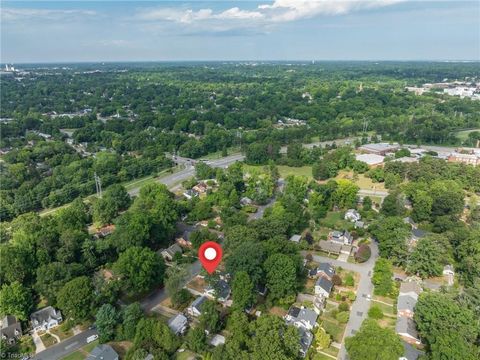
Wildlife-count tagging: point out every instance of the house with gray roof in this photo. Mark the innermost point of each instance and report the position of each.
(410, 288)
(195, 308)
(178, 324)
(296, 238)
(330, 247)
(220, 291)
(325, 270)
(103, 352)
(301, 317)
(10, 329)
(341, 237)
(306, 339)
(406, 305)
(45, 318)
(405, 327)
(170, 252)
(323, 286)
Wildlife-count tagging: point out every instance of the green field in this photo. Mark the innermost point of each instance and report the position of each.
(283, 170)
(463, 135)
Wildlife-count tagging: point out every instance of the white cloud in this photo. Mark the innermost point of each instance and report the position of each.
(18, 14)
(278, 11)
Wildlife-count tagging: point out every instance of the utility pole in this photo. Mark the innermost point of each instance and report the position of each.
(98, 185)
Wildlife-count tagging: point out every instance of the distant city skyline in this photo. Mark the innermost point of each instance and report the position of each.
(110, 31)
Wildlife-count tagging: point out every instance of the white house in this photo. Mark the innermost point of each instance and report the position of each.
(195, 308)
(178, 324)
(448, 270)
(45, 318)
(301, 318)
(323, 286)
(352, 215)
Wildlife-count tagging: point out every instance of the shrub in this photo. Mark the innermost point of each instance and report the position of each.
(343, 307)
(309, 257)
(363, 253)
(336, 280)
(342, 317)
(349, 281)
(338, 297)
(375, 312)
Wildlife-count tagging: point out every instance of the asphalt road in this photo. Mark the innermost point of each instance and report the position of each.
(189, 171)
(65, 347)
(361, 305)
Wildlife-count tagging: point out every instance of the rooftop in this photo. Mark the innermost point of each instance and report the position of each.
(370, 159)
(325, 284)
(104, 352)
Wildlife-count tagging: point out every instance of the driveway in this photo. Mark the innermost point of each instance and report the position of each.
(361, 304)
(39, 347)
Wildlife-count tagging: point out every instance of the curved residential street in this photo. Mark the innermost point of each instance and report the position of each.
(361, 304)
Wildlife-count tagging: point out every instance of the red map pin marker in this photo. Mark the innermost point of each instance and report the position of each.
(210, 255)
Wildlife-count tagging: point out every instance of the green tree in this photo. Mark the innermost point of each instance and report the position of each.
(242, 290)
(375, 312)
(210, 317)
(382, 277)
(367, 203)
(196, 340)
(391, 234)
(345, 195)
(15, 300)
(139, 269)
(76, 297)
(392, 205)
(106, 320)
(422, 206)
(175, 279)
(373, 342)
(449, 329)
(248, 257)
(428, 257)
(131, 315)
(281, 276)
(272, 339)
(322, 339)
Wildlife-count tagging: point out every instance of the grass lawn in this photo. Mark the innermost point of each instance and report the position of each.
(463, 135)
(217, 155)
(81, 353)
(334, 328)
(185, 355)
(283, 170)
(387, 310)
(48, 340)
(361, 180)
(61, 332)
(335, 220)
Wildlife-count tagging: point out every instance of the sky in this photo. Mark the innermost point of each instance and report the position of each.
(79, 31)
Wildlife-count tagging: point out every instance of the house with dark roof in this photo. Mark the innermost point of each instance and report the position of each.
(325, 270)
(178, 324)
(219, 291)
(323, 287)
(103, 352)
(306, 339)
(405, 327)
(301, 317)
(45, 318)
(195, 308)
(10, 329)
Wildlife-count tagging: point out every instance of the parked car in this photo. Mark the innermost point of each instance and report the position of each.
(92, 338)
